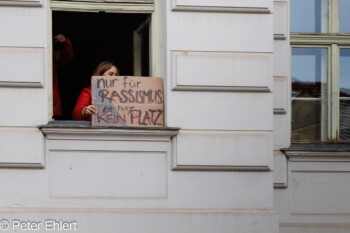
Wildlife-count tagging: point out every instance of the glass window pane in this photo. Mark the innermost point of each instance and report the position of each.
(344, 73)
(309, 16)
(309, 72)
(344, 16)
(344, 119)
(307, 121)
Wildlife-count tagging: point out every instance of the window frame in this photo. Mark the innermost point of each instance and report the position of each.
(155, 40)
(334, 40)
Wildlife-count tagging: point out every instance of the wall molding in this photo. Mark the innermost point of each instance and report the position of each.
(115, 7)
(21, 147)
(199, 165)
(280, 170)
(21, 84)
(220, 88)
(28, 3)
(22, 165)
(318, 156)
(280, 91)
(226, 83)
(32, 75)
(279, 37)
(280, 20)
(225, 9)
(219, 168)
(76, 132)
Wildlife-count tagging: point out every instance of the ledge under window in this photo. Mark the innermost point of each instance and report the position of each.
(84, 130)
(329, 152)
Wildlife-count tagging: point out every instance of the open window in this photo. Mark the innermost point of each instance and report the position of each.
(98, 35)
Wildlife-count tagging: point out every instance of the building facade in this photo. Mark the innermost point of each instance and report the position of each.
(224, 162)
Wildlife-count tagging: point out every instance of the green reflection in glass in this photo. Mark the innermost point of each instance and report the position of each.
(306, 120)
(344, 119)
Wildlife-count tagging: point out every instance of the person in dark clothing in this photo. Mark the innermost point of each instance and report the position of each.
(62, 55)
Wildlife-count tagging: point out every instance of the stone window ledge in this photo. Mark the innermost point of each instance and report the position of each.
(328, 152)
(84, 130)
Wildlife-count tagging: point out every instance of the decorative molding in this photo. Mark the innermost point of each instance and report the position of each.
(105, 7)
(280, 92)
(280, 185)
(112, 149)
(185, 166)
(260, 10)
(28, 3)
(21, 84)
(280, 20)
(32, 75)
(280, 170)
(318, 156)
(218, 8)
(279, 37)
(220, 88)
(22, 165)
(219, 168)
(30, 153)
(279, 111)
(316, 225)
(223, 85)
(136, 210)
(149, 159)
(74, 132)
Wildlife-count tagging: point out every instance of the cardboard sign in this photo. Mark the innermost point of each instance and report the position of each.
(127, 101)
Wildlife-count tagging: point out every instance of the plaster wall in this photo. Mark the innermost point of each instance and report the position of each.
(215, 174)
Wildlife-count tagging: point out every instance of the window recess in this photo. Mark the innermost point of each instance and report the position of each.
(126, 32)
(320, 45)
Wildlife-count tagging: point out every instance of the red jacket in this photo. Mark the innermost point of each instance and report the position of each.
(83, 101)
(67, 55)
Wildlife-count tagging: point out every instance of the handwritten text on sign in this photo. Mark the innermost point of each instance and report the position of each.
(127, 101)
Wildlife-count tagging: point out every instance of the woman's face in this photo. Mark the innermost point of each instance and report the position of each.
(111, 72)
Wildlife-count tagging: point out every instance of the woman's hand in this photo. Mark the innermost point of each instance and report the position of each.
(60, 38)
(88, 110)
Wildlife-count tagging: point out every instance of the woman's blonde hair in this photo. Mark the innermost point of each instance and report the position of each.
(103, 67)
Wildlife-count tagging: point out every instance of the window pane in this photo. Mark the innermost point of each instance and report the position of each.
(309, 72)
(344, 119)
(307, 120)
(344, 73)
(344, 16)
(344, 91)
(309, 16)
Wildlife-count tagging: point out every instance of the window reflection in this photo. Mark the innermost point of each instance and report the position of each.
(344, 16)
(344, 119)
(309, 94)
(344, 73)
(309, 72)
(309, 16)
(344, 93)
(306, 120)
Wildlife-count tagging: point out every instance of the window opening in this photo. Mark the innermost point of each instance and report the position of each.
(97, 37)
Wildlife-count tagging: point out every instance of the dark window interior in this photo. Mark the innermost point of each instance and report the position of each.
(96, 37)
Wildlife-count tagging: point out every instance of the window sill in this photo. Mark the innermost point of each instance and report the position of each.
(330, 152)
(84, 130)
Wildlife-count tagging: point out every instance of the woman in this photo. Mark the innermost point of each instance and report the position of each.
(83, 108)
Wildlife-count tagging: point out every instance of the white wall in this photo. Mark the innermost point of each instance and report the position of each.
(23, 82)
(215, 174)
